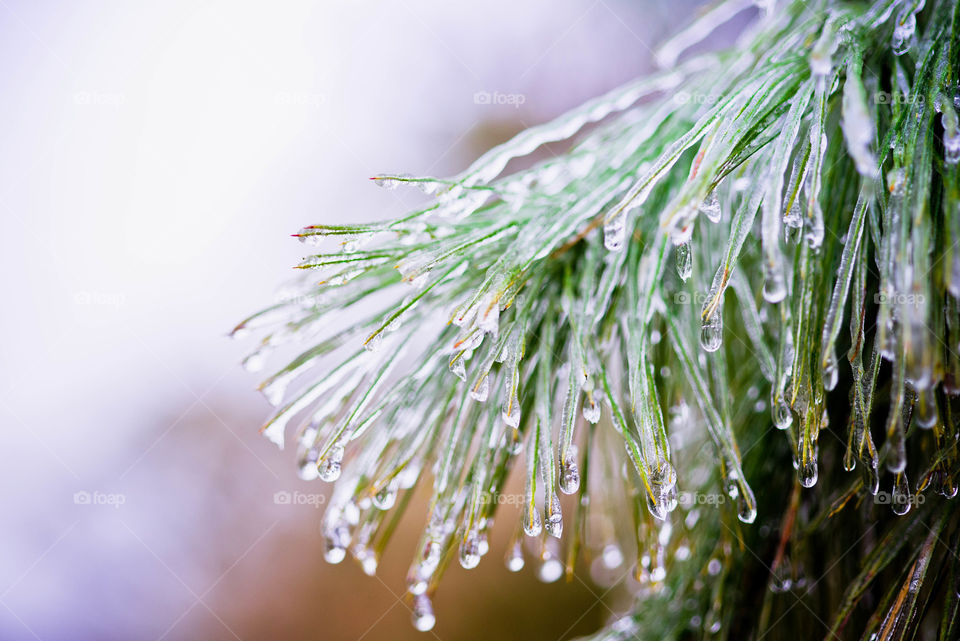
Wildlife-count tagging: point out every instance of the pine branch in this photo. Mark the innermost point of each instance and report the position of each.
(559, 317)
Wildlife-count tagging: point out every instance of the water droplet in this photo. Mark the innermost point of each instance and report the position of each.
(614, 231)
(329, 466)
(782, 416)
(336, 539)
(423, 618)
(373, 342)
(385, 498)
(569, 477)
(774, 285)
(551, 569)
(901, 499)
(925, 410)
(470, 551)
(591, 410)
(831, 372)
(684, 257)
(515, 558)
(510, 413)
(612, 556)
(903, 31)
(553, 521)
(481, 390)
(256, 361)
(711, 208)
(711, 331)
(808, 473)
(458, 368)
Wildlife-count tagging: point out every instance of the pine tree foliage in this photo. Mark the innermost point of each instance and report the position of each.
(717, 338)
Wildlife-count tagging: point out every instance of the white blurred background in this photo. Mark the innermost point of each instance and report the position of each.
(154, 160)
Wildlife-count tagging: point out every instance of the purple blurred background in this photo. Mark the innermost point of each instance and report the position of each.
(155, 158)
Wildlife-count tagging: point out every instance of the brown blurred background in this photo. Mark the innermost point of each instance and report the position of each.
(156, 158)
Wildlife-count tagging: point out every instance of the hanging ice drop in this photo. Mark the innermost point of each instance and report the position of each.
(684, 260)
(569, 477)
(423, 618)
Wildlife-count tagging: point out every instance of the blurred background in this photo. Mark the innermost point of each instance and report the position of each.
(155, 159)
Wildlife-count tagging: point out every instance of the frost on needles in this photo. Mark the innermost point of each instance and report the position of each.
(717, 340)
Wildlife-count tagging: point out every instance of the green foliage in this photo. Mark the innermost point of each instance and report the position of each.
(575, 316)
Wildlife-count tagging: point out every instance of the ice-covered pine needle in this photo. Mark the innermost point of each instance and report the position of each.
(624, 325)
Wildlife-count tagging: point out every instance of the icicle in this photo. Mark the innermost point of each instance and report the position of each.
(423, 617)
(551, 567)
(480, 392)
(901, 498)
(615, 228)
(329, 465)
(925, 410)
(711, 208)
(514, 560)
(951, 134)
(903, 31)
(684, 257)
(857, 124)
(711, 329)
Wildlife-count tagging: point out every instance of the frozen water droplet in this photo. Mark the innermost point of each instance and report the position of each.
(903, 31)
(515, 558)
(612, 556)
(782, 417)
(591, 410)
(831, 373)
(374, 342)
(951, 134)
(551, 569)
(458, 368)
(901, 499)
(569, 477)
(774, 286)
(711, 208)
(925, 410)
(480, 392)
(336, 540)
(554, 517)
(711, 331)
(256, 361)
(614, 231)
(470, 551)
(385, 498)
(684, 261)
(329, 465)
(808, 473)
(511, 413)
(423, 618)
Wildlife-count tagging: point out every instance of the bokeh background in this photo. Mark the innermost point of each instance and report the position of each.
(154, 160)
